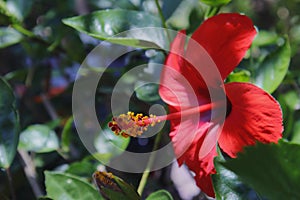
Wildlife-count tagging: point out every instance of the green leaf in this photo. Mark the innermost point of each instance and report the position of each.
(38, 138)
(11, 17)
(296, 133)
(148, 92)
(239, 76)
(113, 25)
(272, 170)
(274, 68)
(180, 17)
(227, 184)
(110, 145)
(69, 187)
(160, 195)
(169, 7)
(9, 125)
(66, 135)
(265, 38)
(17, 75)
(83, 168)
(215, 3)
(20, 8)
(9, 36)
(291, 99)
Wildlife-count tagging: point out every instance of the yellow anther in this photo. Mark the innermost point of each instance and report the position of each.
(131, 125)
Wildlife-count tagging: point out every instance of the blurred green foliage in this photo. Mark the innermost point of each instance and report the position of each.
(43, 43)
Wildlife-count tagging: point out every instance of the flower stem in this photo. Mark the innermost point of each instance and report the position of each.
(30, 172)
(10, 183)
(30, 34)
(146, 173)
(163, 20)
(24, 31)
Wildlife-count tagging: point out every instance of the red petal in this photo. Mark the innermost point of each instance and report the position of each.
(204, 182)
(226, 37)
(175, 88)
(255, 116)
(183, 134)
(203, 167)
(179, 82)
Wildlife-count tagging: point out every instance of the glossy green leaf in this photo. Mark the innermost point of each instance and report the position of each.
(239, 76)
(227, 184)
(69, 187)
(20, 8)
(160, 195)
(272, 170)
(9, 125)
(108, 145)
(274, 67)
(215, 3)
(148, 92)
(38, 138)
(9, 36)
(113, 26)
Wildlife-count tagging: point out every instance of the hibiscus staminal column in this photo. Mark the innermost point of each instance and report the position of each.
(135, 125)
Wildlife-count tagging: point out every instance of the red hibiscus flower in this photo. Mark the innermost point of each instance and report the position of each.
(204, 111)
(250, 114)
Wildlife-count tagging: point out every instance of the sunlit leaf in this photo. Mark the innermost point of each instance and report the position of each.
(20, 8)
(239, 76)
(38, 138)
(9, 125)
(112, 25)
(69, 187)
(9, 36)
(273, 69)
(160, 195)
(272, 170)
(8, 12)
